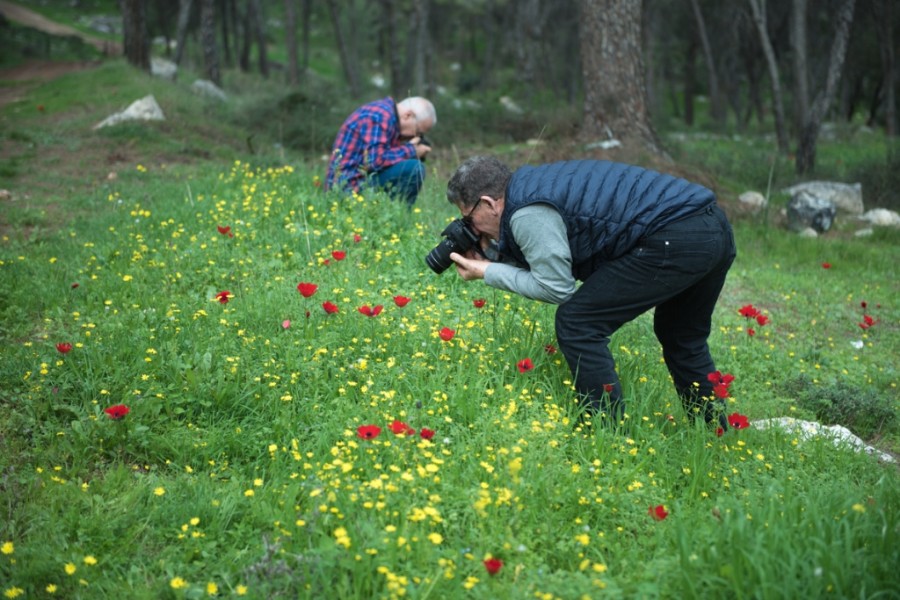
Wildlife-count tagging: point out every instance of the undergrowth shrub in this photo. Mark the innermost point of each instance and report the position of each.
(863, 411)
(880, 181)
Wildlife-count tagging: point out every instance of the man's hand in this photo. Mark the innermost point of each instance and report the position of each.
(469, 268)
(422, 147)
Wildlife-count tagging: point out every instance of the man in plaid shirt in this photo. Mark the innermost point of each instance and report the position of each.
(380, 145)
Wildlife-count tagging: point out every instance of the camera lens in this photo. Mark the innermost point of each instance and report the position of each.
(438, 260)
(458, 237)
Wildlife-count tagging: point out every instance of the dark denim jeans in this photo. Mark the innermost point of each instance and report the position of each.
(680, 271)
(402, 180)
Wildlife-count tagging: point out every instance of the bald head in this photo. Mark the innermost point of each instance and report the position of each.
(421, 108)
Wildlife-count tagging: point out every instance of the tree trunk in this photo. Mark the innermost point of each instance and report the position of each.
(806, 150)
(615, 95)
(208, 37)
(801, 67)
(884, 28)
(307, 16)
(421, 54)
(246, 38)
(526, 28)
(184, 19)
(750, 62)
(135, 42)
(759, 17)
(290, 41)
(163, 24)
(489, 25)
(690, 82)
(231, 15)
(715, 98)
(391, 53)
(259, 32)
(346, 61)
(227, 34)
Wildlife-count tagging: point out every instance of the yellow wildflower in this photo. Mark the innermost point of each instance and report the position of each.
(178, 583)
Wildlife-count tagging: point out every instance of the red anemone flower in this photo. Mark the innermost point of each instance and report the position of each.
(748, 311)
(426, 434)
(826, 265)
(117, 411)
(401, 301)
(720, 432)
(64, 347)
(330, 307)
(446, 334)
(224, 296)
(339, 255)
(720, 390)
(716, 377)
(867, 322)
(525, 365)
(401, 428)
(658, 512)
(762, 320)
(550, 349)
(608, 387)
(493, 565)
(75, 285)
(368, 432)
(738, 421)
(357, 238)
(307, 289)
(751, 332)
(370, 311)
(864, 304)
(225, 230)
(478, 302)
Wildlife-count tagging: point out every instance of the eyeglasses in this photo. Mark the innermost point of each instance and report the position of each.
(467, 219)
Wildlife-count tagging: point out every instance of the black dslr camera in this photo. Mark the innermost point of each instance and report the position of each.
(425, 142)
(459, 238)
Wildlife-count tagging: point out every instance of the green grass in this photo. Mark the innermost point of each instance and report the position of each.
(239, 469)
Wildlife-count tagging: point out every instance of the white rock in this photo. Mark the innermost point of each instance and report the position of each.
(809, 232)
(882, 216)
(207, 88)
(805, 430)
(847, 197)
(145, 109)
(161, 67)
(753, 200)
(510, 105)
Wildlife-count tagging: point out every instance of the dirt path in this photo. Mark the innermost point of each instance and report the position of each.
(23, 16)
(25, 75)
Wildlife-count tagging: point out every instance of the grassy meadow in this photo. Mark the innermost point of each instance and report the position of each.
(218, 380)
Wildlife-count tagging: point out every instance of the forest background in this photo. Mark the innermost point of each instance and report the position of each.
(592, 72)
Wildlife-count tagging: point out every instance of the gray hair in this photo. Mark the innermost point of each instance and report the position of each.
(476, 177)
(421, 107)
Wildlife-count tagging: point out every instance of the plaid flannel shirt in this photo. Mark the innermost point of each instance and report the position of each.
(368, 141)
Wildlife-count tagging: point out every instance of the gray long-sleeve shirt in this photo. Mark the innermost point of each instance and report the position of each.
(540, 232)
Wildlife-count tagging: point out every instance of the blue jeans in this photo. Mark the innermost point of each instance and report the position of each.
(402, 180)
(680, 271)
